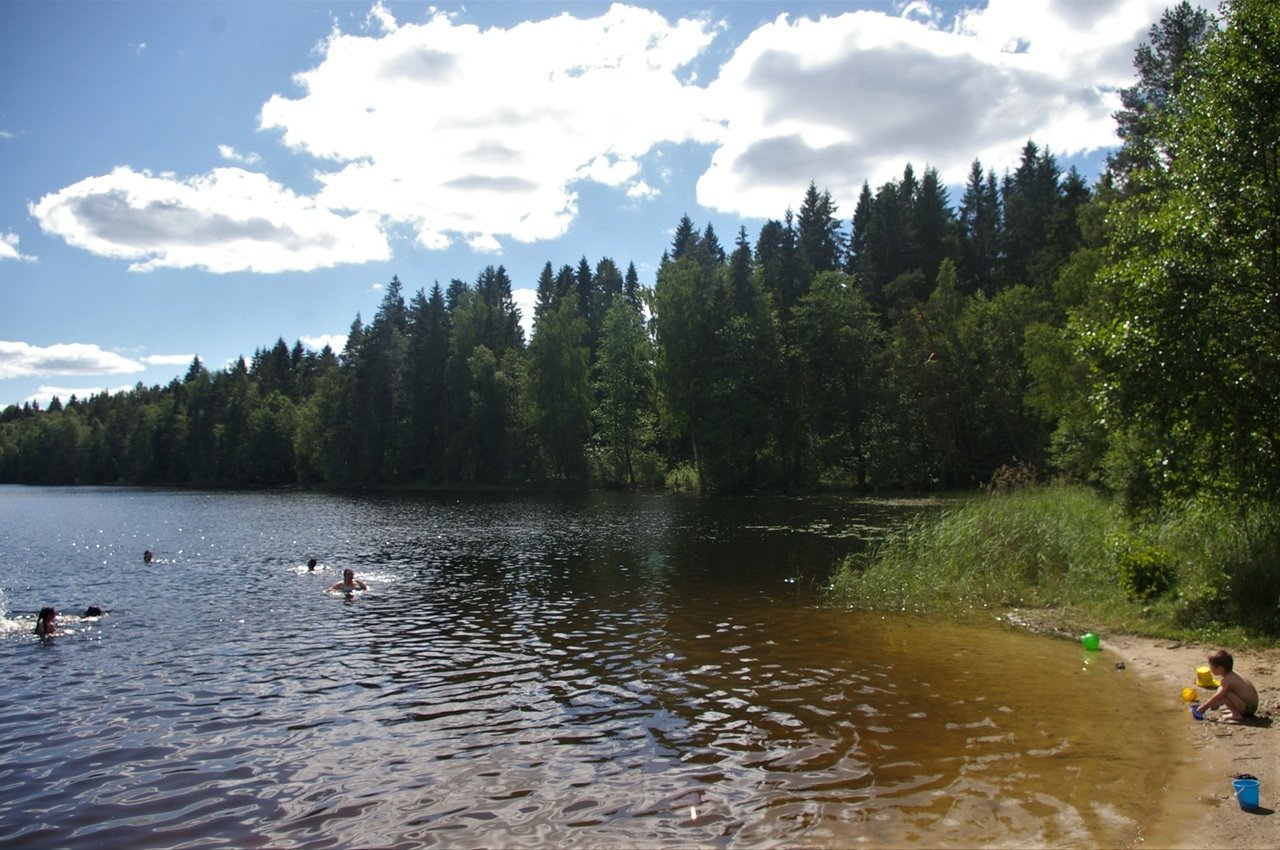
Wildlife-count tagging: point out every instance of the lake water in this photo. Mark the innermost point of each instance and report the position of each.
(586, 670)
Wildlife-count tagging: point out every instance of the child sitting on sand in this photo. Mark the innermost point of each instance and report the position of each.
(1235, 691)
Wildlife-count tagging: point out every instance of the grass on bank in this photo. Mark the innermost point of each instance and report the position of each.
(1208, 571)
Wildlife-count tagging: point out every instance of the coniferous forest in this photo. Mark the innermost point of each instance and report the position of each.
(1124, 333)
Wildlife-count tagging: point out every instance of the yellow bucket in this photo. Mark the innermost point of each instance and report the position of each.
(1204, 677)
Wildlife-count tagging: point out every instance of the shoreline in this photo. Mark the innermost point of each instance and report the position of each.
(1198, 808)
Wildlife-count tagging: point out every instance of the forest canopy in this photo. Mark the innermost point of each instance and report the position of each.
(1124, 333)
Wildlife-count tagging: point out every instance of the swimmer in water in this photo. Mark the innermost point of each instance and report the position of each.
(92, 611)
(349, 582)
(46, 622)
(311, 565)
(148, 557)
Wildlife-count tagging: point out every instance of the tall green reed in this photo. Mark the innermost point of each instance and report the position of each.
(1207, 570)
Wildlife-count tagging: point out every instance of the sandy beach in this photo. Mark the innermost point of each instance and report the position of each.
(1200, 810)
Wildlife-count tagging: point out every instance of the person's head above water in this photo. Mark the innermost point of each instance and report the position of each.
(147, 557)
(349, 582)
(45, 621)
(311, 563)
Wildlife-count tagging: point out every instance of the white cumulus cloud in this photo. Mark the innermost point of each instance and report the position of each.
(23, 360)
(9, 248)
(481, 134)
(458, 134)
(337, 342)
(525, 300)
(227, 220)
(230, 154)
(855, 97)
(168, 359)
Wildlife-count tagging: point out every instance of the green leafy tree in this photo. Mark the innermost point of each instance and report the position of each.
(202, 418)
(1189, 357)
(932, 225)
(546, 293)
(585, 295)
(684, 329)
(466, 333)
(1162, 64)
(631, 285)
(778, 260)
(1005, 429)
(428, 352)
(495, 451)
(979, 233)
(818, 234)
(685, 241)
(858, 235)
(238, 398)
(319, 452)
(52, 449)
(502, 329)
(608, 287)
(270, 441)
(710, 251)
(839, 340)
(560, 374)
(925, 441)
(780, 273)
(886, 244)
(377, 389)
(1030, 200)
(483, 384)
(273, 370)
(755, 411)
(1059, 370)
(624, 419)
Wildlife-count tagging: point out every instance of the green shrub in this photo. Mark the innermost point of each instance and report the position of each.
(683, 478)
(1145, 571)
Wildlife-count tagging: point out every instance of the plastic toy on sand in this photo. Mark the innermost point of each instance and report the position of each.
(1090, 641)
(1189, 694)
(1246, 792)
(1197, 713)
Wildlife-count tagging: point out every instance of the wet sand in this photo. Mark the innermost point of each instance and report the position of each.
(1199, 808)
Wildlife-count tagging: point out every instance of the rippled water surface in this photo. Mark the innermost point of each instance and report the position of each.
(598, 670)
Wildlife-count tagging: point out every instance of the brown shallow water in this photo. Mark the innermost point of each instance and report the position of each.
(604, 670)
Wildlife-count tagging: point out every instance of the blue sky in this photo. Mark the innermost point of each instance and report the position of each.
(202, 178)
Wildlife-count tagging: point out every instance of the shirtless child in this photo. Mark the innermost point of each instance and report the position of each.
(349, 582)
(1235, 691)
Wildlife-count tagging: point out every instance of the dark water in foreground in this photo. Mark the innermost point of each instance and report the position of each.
(525, 670)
